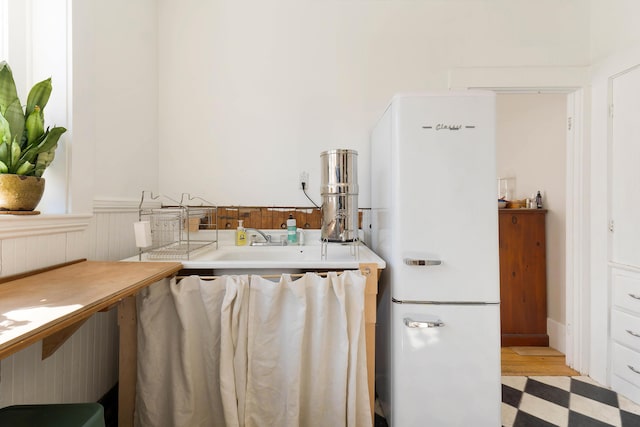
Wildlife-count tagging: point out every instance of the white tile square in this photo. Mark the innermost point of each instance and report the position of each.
(508, 415)
(594, 409)
(545, 410)
(628, 405)
(515, 382)
(378, 408)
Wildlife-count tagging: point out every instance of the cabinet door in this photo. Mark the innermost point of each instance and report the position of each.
(625, 173)
(523, 283)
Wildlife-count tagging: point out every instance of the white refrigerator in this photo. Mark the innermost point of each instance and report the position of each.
(435, 222)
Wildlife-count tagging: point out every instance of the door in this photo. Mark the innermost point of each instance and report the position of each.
(625, 172)
(444, 199)
(446, 365)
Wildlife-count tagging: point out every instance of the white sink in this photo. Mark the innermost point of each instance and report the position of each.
(230, 259)
(338, 256)
(265, 253)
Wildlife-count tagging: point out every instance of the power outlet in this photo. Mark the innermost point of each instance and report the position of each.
(304, 180)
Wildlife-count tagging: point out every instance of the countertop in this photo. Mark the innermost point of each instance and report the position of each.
(228, 257)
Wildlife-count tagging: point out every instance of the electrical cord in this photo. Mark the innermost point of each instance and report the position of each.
(304, 190)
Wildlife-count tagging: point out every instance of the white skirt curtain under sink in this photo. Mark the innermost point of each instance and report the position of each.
(246, 351)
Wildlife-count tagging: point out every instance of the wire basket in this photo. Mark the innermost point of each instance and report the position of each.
(178, 229)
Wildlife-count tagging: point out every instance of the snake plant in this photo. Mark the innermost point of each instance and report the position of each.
(26, 147)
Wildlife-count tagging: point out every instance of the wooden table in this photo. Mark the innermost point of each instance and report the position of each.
(56, 302)
(61, 299)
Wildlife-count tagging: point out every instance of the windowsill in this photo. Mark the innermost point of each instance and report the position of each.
(12, 226)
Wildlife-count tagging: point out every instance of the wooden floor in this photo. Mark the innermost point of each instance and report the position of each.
(515, 364)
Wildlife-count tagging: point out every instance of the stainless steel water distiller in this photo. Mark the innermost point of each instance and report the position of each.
(339, 192)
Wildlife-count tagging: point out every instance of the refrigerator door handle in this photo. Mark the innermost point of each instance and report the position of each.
(412, 261)
(410, 323)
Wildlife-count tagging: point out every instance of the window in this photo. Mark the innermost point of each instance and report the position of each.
(35, 41)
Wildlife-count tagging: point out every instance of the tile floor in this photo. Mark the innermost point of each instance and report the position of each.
(556, 401)
(379, 419)
(565, 402)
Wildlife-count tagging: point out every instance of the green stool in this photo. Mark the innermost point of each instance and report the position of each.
(57, 415)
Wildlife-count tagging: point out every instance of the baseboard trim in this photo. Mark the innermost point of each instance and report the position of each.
(517, 340)
(557, 335)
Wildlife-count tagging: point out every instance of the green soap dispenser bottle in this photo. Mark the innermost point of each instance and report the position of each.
(241, 235)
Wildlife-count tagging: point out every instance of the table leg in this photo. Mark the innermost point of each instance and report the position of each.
(127, 321)
(371, 291)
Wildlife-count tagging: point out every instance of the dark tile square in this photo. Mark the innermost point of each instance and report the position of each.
(629, 420)
(511, 396)
(579, 420)
(380, 421)
(526, 420)
(547, 392)
(593, 392)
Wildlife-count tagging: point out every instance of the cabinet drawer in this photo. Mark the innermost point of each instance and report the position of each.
(626, 290)
(625, 329)
(626, 364)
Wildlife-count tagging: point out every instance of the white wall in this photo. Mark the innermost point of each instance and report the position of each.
(614, 28)
(251, 92)
(531, 147)
(126, 101)
(83, 106)
(115, 89)
(113, 125)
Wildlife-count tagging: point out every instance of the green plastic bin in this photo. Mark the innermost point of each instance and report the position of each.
(56, 415)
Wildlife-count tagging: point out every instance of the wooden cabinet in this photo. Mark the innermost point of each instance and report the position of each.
(523, 277)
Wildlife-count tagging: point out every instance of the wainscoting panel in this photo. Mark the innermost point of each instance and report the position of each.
(111, 235)
(82, 370)
(86, 366)
(32, 252)
(77, 245)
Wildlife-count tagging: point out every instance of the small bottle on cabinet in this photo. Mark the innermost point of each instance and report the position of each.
(539, 200)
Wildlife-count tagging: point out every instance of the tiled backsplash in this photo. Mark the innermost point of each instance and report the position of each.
(269, 218)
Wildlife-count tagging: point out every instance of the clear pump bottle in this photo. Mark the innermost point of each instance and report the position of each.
(292, 229)
(241, 235)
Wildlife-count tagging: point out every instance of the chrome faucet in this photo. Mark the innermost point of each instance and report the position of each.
(267, 239)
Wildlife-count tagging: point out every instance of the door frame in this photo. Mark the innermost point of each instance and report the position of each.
(577, 274)
(574, 82)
